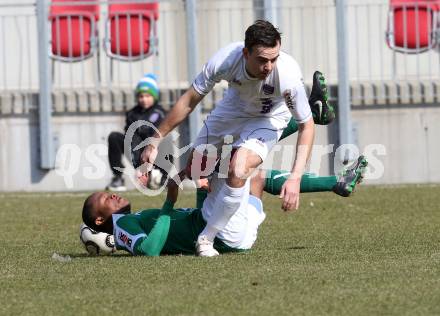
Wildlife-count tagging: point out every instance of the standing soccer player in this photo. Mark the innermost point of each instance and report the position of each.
(265, 90)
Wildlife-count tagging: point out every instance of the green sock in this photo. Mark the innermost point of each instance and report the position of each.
(200, 197)
(309, 183)
(292, 127)
(317, 184)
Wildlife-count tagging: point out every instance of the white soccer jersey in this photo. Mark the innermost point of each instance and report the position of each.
(282, 93)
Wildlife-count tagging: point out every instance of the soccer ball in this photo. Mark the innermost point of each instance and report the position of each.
(154, 179)
(96, 243)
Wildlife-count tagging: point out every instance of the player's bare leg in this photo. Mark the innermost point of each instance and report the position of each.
(258, 181)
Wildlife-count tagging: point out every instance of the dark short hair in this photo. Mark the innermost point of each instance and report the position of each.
(261, 33)
(88, 213)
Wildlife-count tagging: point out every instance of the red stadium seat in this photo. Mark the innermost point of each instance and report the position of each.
(412, 25)
(74, 32)
(131, 30)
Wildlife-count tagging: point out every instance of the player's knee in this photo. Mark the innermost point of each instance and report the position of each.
(237, 171)
(242, 163)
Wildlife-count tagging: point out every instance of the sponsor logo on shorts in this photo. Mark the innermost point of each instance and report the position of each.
(268, 89)
(260, 141)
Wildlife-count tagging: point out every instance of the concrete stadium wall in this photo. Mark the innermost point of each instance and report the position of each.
(82, 160)
(401, 144)
(19, 157)
(408, 136)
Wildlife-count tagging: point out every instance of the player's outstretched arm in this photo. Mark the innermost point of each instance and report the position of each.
(173, 187)
(202, 192)
(290, 190)
(184, 106)
(153, 244)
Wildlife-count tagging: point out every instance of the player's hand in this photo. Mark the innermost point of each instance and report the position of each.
(148, 156)
(203, 184)
(142, 178)
(290, 194)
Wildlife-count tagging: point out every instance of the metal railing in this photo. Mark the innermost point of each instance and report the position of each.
(309, 34)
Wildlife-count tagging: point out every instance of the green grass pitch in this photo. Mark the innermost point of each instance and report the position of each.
(376, 253)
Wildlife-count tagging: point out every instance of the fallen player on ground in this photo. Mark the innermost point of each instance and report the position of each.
(153, 232)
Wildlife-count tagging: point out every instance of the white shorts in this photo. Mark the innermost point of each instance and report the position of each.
(258, 134)
(241, 230)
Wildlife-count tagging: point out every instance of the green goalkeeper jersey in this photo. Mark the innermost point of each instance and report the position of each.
(153, 232)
